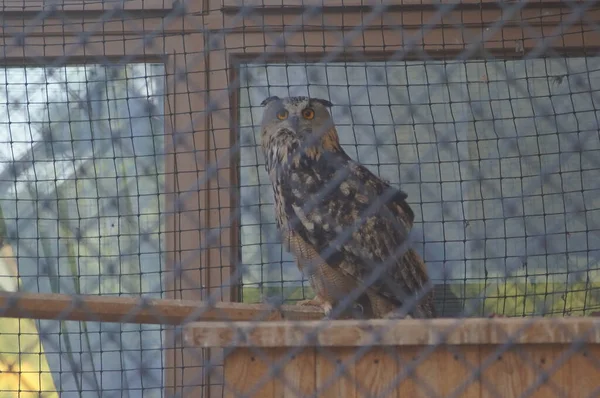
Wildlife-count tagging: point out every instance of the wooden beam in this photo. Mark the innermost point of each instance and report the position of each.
(383, 332)
(233, 6)
(140, 309)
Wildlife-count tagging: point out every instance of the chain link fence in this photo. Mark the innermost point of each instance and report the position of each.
(136, 197)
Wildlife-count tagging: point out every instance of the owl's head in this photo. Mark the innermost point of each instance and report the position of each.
(303, 120)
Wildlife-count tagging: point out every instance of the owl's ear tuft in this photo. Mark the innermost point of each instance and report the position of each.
(323, 102)
(266, 101)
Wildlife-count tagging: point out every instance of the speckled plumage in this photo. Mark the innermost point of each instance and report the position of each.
(339, 220)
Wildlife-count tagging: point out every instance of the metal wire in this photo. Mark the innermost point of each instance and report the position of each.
(131, 165)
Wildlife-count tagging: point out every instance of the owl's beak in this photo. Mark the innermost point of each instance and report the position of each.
(295, 123)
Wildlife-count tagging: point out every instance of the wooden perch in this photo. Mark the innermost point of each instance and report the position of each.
(407, 332)
(140, 310)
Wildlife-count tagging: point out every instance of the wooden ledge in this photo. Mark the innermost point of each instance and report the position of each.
(410, 332)
(140, 310)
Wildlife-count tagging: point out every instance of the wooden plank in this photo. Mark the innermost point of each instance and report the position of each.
(299, 374)
(354, 333)
(235, 5)
(392, 20)
(539, 371)
(417, 372)
(409, 384)
(30, 6)
(336, 373)
(515, 371)
(247, 374)
(139, 309)
(444, 372)
(582, 376)
(377, 371)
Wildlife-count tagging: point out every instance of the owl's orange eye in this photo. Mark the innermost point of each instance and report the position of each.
(282, 114)
(308, 114)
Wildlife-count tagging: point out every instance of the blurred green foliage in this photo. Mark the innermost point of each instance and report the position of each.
(511, 298)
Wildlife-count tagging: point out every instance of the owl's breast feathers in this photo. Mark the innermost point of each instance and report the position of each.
(355, 220)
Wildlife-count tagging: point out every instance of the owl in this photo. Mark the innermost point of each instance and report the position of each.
(346, 227)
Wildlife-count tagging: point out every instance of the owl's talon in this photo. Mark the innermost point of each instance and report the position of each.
(397, 314)
(317, 302)
(310, 303)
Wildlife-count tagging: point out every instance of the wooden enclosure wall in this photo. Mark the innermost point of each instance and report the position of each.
(201, 47)
(515, 373)
(283, 31)
(474, 359)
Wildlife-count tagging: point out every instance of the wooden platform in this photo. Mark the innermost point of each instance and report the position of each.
(502, 357)
(292, 354)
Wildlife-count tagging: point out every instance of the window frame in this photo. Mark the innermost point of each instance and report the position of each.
(515, 41)
(181, 50)
(20, 6)
(444, 40)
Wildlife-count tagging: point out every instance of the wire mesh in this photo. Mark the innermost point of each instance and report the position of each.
(131, 165)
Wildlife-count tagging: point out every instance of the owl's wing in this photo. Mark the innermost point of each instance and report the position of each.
(358, 222)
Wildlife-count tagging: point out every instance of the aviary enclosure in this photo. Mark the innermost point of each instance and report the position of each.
(140, 255)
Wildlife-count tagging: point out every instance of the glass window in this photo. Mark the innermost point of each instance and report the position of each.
(497, 158)
(81, 192)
